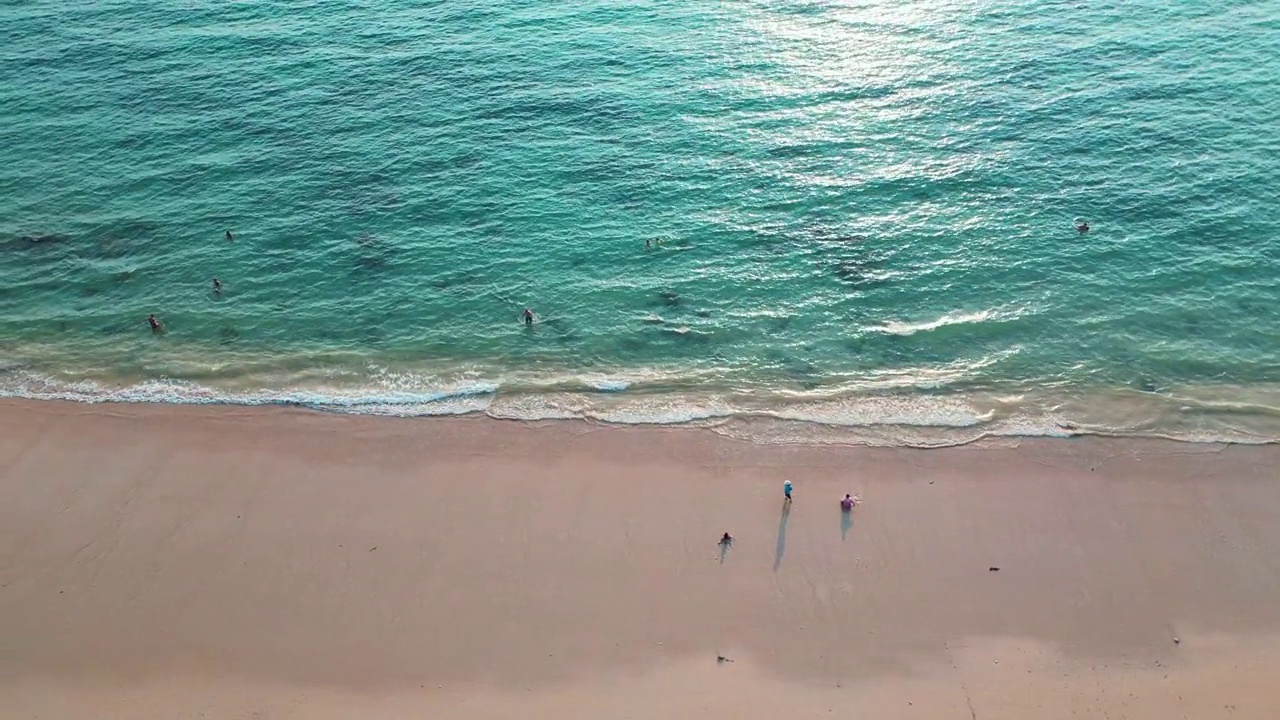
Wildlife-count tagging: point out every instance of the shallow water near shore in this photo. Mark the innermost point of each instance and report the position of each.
(860, 216)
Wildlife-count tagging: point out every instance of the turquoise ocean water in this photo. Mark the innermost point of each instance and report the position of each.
(866, 211)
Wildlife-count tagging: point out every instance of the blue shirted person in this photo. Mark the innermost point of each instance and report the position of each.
(786, 489)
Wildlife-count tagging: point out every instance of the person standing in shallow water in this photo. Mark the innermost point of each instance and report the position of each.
(154, 323)
(528, 316)
(229, 238)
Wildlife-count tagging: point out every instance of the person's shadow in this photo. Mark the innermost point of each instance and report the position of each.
(782, 535)
(846, 522)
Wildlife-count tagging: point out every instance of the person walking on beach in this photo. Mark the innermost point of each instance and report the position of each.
(846, 503)
(726, 542)
(786, 490)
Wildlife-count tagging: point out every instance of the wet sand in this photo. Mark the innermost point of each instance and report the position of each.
(166, 561)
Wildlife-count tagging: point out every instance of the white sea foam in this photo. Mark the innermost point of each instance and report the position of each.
(896, 327)
(847, 414)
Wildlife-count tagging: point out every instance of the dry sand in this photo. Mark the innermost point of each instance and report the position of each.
(163, 562)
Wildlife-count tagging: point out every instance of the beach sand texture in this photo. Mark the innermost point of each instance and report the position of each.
(161, 562)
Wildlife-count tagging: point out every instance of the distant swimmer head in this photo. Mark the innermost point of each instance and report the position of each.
(229, 238)
(217, 285)
(1082, 226)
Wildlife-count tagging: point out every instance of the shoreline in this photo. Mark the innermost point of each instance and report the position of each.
(282, 560)
(919, 418)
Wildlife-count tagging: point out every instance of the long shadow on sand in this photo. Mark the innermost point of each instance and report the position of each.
(782, 535)
(846, 522)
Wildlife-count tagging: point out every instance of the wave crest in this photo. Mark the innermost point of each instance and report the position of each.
(850, 414)
(957, 317)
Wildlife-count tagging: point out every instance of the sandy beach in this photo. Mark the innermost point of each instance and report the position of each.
(224, 562)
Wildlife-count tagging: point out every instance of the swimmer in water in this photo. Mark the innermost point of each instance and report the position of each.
(229, 238)
(1082, 227)
(528, 316)
(154, 323)
(217, 286)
